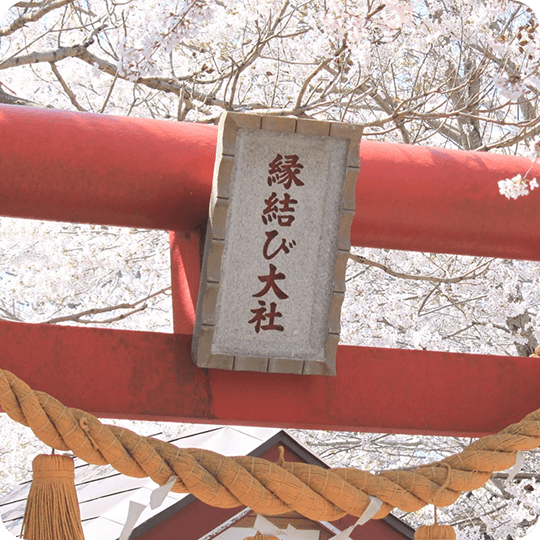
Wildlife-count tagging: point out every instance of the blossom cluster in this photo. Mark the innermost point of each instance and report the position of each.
(450, 73)
(141, 53)
(513, 188)
(519, 186)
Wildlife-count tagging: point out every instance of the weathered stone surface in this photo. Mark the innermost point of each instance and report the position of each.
(309, 265)
(273, 271)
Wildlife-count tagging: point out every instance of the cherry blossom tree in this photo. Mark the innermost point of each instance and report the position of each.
(450, 73)
(461, 73)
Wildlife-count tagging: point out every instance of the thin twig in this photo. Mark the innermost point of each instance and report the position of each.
(433, 279)
(77, 317)
(32, 16)
(66, 88)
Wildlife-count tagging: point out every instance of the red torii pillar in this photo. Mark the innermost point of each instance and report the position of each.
(155, 174)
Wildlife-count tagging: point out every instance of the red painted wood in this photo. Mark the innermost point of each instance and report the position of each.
(446, 201)
(91, 168)
(186, 250)
(146, 173)
(150, 376)
(149, 173)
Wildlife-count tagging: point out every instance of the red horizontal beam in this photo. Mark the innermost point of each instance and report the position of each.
(136, 172)
(108, 170)
(444, 201)
(145, 173)
(144, 375)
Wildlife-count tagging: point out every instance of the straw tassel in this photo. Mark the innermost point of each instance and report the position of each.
(259, 536)
(52, 510)
(435, 532)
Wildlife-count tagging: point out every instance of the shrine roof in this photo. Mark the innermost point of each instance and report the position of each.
(105, 495)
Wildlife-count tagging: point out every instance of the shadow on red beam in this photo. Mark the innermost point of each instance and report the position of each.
(144, 375)
(136, 172)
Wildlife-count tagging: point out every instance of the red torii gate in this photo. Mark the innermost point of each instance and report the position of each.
(147, 173)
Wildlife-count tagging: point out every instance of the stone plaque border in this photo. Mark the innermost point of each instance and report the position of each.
(203, 333)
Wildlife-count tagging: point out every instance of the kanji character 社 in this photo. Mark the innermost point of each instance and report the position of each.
(261, 315)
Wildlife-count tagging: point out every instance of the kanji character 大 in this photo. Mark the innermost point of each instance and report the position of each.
(270, 283)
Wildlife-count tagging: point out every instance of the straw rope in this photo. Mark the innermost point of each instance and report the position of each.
(268, 488)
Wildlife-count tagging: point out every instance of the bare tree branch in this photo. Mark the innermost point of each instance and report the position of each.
(32, 16)
(473, 274)
(46, 56)
(66, 88)
(78, 317)
(9, 99)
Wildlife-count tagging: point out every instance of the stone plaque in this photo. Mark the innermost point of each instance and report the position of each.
(278, 239)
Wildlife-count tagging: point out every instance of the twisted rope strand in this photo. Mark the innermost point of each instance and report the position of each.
(268, 488)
